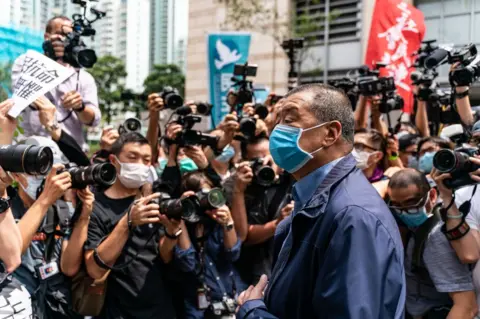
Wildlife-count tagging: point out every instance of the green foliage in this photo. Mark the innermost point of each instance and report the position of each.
(5, 80)
(109, 74)
(164, 75)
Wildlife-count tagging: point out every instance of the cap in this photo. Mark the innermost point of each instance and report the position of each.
(407, 140)
(58, 156)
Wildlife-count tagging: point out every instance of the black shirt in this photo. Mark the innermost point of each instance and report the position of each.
(138, 290)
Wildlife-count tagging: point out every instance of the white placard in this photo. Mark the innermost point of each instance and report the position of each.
(38, 76)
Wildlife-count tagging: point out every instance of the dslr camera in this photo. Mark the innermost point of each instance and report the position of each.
(130, 125)
(203, 108)
(248, 124)
(171, 97)
(29, 159)
(226, 307)
(458, 164)
(76, 53)
(263, 175)
(468, 69)
(101, 175)
(190, 209)
(192, 137)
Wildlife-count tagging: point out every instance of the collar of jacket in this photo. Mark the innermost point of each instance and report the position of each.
(319, 199)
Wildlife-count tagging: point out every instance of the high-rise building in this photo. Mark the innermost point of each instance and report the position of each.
(22, 13)
(180, 56)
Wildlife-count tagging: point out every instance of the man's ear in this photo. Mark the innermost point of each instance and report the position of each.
(378, 156)
(113, 159)
(334, 132)
(433, 195)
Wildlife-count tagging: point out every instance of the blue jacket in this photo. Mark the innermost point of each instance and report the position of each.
(338, 256)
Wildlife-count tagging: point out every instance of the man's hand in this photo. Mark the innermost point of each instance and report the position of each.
(7, 123)
(155, 103)
(72, 100)
(286, 211)
(253, 293)
(392, 146)
(144, 212)
(229, 126)
(260, 127)
(109, 136)
(221, 215)
(87, 198)
(445, 193)
(475, 175)
(173, 130)
(58, 45)
(46, 110)
(248, 109)
(5, 181)
(197, 155)
(243, 176)
(55, 184)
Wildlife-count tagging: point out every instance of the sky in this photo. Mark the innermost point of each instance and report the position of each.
(181, 15)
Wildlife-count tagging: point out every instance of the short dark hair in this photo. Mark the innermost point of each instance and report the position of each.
(193, 181)
(330, 104)
(254, 140)
(436, 140)
(407, 177)
(378, 139)
(131, 137)
(50, 22)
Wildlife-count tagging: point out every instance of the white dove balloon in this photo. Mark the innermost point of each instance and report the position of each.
(226, 56)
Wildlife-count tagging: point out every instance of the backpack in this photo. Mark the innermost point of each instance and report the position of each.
(88, 294)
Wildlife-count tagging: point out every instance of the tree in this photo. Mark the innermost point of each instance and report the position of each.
(164, 75)
(5, 80)
(109, 74)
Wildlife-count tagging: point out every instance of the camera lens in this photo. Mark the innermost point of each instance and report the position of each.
(265, 175)
(33, 160)
(133, 125)
(189, 208)
(216, 198)
(173, 208)
(261, 110)
(248, 126)
(86, 58)
(173, 101)
(103, 174)
(203, 108)
(447, 161)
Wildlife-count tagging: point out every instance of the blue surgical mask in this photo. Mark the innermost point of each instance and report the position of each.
(227, 154)
(187, 165)
(286, 151)
(414, 219)
(412, 161)
(426, 162)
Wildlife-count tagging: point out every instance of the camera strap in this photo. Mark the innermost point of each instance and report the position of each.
(465, 206)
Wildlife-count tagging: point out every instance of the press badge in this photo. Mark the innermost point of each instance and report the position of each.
(46, 271)
(202, 302)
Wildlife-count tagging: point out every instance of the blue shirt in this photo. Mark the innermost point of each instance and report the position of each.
(304, 188)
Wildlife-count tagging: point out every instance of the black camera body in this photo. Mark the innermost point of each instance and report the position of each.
(192, 137)
(130, 125)
(171, 98)
(29, 159)
(468, 70)
(263, 175)
(464, 55)
(458, 164)
(102, 175)
(226, 307)
(244, 92)
(374, 86)
(393, 102)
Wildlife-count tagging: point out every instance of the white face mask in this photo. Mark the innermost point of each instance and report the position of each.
(361, 158)
(32, 187)
(133, 175)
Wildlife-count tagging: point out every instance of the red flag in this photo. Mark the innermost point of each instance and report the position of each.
(396, 33)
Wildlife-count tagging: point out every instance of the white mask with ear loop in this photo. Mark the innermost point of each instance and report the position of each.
(362, 158)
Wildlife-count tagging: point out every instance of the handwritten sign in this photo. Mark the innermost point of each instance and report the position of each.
(39, 75)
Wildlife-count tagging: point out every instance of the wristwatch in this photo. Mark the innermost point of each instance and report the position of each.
(81, 108)
(175, 235)
(228, 227)
(4, 204)
(52, 127)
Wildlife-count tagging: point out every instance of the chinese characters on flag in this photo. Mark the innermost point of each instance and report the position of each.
(396, 32)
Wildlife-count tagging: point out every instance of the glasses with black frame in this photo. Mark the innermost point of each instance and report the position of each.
(409, 209)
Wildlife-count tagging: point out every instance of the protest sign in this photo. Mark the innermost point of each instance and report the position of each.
(38, 76)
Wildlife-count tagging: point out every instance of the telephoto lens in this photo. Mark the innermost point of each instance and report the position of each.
(176, 208)
(263, 175)
(29, 159)
(103, 175)
(248, 126)
(458, 164)
(171, 98)
(203, 108)
(261, 110)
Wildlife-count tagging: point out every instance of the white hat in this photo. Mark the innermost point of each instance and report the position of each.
(58, 156)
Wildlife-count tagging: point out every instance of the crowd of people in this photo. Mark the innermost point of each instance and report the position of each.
(323, 212)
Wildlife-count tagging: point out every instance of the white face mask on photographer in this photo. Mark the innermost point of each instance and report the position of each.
(133, 175)
(32, 187)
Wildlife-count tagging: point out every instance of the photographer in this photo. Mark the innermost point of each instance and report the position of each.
(439, 285)
(427, 148)
(206, 251)
(257, 210)
(124, 237)
(75, 99)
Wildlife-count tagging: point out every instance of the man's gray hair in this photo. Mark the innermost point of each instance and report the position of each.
(330, 104)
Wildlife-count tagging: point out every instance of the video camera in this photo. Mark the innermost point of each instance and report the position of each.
(103, 175)
(245, 88)
(429, 56)
(190, 209)
(192, 137)
(76, 53)
(468, 69)
(130, 125)
(458, 164)
(203, 108)
(349, 87)
(263, 175)
(29, 159)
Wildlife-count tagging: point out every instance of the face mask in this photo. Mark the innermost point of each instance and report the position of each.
(187, 165)
(412, 161)
(32, 187)
(133, 175)
(286, 151)
(414, 219)
(361, 158)
(227, 154)
(426, 162)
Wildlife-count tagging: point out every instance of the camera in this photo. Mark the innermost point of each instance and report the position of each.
(263, 175)
(374, 86)
(464, 55)
(349, 87)
(103, 175)
(468, 69)
(192, 137)
(130, 125)
(391, 103)
(248, 124)
(458, 164)
(76, 53)
(205, 200)
(244, 92)
(226, 307)
(171, 98)
(203, 108)
(429, 56)
(29, 159)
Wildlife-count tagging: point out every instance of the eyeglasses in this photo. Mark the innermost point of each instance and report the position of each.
(412, 209)
(363, 147)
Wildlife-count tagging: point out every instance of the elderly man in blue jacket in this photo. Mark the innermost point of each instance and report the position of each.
(339, 255)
